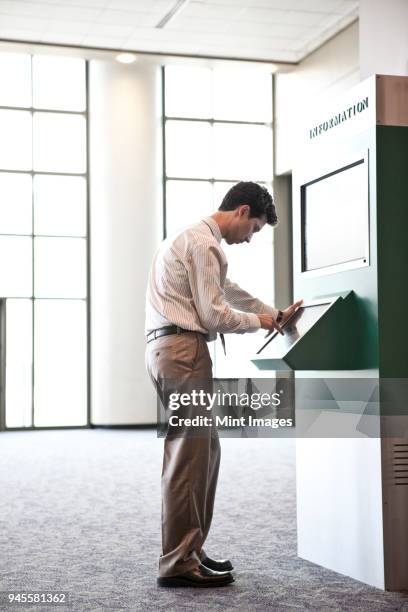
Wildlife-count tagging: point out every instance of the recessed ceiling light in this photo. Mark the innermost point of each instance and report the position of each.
(126, 58)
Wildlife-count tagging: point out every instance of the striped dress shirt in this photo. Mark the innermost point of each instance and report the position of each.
(188, 287)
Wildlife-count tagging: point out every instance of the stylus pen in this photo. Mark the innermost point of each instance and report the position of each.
(271, 331)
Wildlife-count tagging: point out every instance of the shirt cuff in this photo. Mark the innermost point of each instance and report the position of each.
(254, 322)
(269, 310)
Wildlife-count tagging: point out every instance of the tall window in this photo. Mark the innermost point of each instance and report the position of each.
(43, 239)
(218, 131)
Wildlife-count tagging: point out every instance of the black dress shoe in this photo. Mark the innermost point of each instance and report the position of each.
(200, 576)
(220, 565)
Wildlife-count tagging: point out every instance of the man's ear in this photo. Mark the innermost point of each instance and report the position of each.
(244, 210)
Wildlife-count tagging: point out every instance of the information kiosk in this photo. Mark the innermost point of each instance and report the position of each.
(350, 257)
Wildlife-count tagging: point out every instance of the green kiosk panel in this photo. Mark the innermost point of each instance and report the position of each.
(318, 334)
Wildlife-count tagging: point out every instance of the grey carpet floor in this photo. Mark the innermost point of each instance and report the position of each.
(80, 512)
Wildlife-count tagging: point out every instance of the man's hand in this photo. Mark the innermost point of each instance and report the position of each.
(271, 324)
(288, 312)
(268, 322)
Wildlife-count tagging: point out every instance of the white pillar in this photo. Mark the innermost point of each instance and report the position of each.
(126, 227)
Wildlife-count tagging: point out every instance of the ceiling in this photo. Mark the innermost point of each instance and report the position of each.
(273, 30)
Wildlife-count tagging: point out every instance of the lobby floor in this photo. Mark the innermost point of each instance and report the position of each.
(80, 513)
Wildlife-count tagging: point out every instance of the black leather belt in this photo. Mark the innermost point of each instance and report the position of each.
(166, 331)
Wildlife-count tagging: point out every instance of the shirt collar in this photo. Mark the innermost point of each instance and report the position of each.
(215, 228)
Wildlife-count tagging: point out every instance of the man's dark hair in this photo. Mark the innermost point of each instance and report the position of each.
(257, 197)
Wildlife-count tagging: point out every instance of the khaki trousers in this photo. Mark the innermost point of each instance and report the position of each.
(190, 462)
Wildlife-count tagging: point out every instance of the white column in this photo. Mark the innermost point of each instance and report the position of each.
(126, 228)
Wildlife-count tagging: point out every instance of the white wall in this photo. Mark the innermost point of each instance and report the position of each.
(383, 37)
(328, 71)
(126, 222)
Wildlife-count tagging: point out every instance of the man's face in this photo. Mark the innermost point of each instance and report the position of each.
(242, 226)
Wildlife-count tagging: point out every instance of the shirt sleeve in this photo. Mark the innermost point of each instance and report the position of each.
(215, 314)
(241, 299)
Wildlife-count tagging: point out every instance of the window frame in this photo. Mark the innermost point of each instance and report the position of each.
(212, 121)
(87, 299)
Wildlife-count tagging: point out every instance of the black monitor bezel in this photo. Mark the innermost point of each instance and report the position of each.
(364, 261)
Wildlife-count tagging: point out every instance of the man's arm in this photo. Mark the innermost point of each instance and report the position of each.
(215, 313)
(241, 299)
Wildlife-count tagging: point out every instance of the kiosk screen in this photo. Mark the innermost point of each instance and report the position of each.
(295, 327)
(335, 218)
